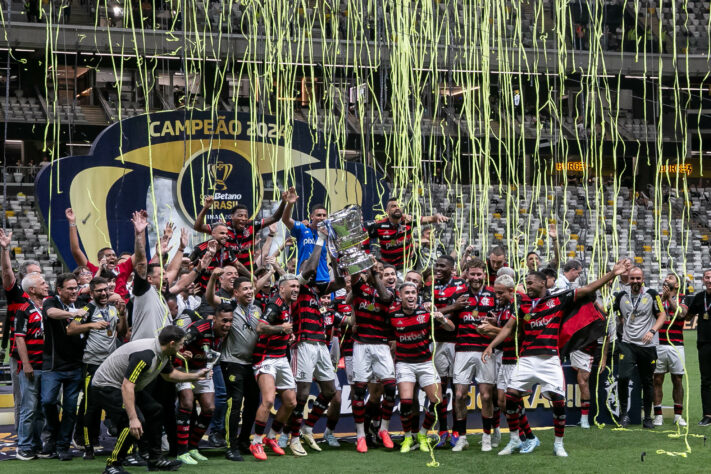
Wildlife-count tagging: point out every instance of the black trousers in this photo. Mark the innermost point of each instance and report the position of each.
(704, 349)
(88, 426)
(241, 387)
(149, 412)
(641, 359)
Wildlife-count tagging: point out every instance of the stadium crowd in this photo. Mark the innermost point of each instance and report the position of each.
(236, 321)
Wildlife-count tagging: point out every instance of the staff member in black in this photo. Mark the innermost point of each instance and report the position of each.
(120, 382)
(700, 305)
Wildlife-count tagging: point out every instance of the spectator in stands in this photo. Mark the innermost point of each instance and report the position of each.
(27, 354)
(61, 366)
(100, 326)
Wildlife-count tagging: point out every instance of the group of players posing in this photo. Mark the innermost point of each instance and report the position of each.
(470, 325)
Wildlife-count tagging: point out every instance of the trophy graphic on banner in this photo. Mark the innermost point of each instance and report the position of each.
(345, 236)
(220, 172)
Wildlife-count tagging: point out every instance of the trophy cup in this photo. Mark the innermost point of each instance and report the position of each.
(345, 235)
(212, 358)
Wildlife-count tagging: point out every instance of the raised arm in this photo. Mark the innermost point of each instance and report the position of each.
(553, 234)
(176, 262)
(290, 200)
(385, 296)
(78, 255)
(434, 219)
(210, 296)
(140, 222)
(274, 218)
(199, 224)
(620, 267)
(8, 276)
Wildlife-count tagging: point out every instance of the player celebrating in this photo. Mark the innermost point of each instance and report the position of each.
(271, 368)
(450, 293)
(468, 363)
(371, 354)
(394, 234)
(202, 341)
(539, 361)
(670, 352)
(411, 324)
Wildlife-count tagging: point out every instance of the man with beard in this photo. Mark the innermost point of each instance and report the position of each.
(468, 363)
(223, 254)
(495, 260)
(202, 340)
(371, 354)
(394, 234)
(539, 361)
(450, 294)
(241, 231)
(410, 323)
(642, 314)
(271, 367)
(100, 326)
(670, 353)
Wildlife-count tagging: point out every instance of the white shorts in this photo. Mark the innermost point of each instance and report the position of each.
(543, 370)
(279, 369)
(421, 373)
(198, 386)
(444, 359)
(311, 361)
(503, 376)
(581, 361)
(670, 359)
(468, 366)
(372, 362)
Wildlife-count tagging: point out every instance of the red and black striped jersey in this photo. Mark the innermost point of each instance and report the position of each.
(243, 240)
(672, 332)
(395, 241)
(445, 294)
(541, 322)
(371, 315)
(198, 336)
(332, 320)
(29, 326)
(262, 297)
(273, 346)
(478, 309)
(224, 256)
(508, 347)
(346, 337)
(309, 324)
(16, 298)
(412, 334)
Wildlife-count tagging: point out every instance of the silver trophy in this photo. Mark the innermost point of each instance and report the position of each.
(345, 236)
(212, 357)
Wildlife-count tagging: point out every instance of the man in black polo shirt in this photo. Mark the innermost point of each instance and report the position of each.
(120, 382)
(700, 305)
(62, 364)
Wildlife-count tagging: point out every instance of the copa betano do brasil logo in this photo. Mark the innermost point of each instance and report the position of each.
(174, 159)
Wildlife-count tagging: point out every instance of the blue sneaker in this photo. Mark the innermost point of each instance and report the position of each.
(443, 440)
(529, 445)
(453, 439)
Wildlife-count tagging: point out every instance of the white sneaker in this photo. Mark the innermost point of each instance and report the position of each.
(486, 442)
(496, 438)
(658, 420)
(461, 444)
(310, 441)
(679, 420)
(559, 450)
(584, 423)
(514, 445)
(331, 439)
(296, 448)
